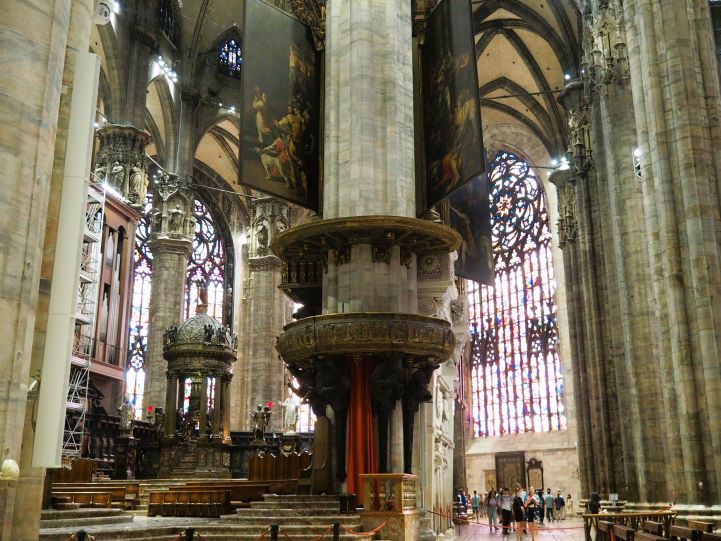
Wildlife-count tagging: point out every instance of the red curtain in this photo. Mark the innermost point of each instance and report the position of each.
(362, 454)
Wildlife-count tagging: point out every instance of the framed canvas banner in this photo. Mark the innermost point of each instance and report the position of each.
(470, 214)
(451, 107)
(279, 150)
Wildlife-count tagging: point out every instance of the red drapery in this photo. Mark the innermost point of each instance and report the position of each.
(362, 455)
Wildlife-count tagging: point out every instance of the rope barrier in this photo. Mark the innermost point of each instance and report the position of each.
(361, 534)
(500, 526)
(74, 536)
(262, 535)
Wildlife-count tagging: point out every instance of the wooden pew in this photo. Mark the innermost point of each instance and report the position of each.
(652, 527)
(710, 537)
(625, 533)
(703, 527)
(604, 530)
(86, 498)
(678, 533)
(189, 502)
(124, 495)
(645, 536)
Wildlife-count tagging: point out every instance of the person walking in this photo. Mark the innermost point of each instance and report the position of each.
(492, 509)
(505, 503)
(569, 506)
(533, 504)
(548, 504)
(476, 505)
(559, 507)
(519, 514)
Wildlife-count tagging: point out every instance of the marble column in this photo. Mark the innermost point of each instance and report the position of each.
(171, 242)
(369, 140)
(268, 309)
(34, 109)
(676, 98)
(369, 159)
(143, 45)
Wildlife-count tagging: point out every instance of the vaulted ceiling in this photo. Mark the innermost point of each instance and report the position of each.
(524, 48)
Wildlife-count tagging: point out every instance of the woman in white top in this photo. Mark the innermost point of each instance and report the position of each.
(492, 508)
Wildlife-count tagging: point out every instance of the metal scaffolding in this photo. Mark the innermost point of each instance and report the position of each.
(85, 315)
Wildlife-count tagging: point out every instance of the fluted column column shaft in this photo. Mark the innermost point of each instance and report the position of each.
(677, 110)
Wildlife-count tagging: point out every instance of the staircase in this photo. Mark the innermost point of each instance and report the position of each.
(300, 518)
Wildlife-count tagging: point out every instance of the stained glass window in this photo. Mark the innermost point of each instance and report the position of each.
(229, 57)
(205, 267)
(516, 379)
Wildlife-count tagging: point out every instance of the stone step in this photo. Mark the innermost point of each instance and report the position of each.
(290, 529)
(55, 514)
(88, 521)
(293, 515)
(112, 534)
(302, 497)
(290, 504)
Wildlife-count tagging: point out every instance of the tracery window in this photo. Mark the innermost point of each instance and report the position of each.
(205, 267)
(229, 57)
(516, 379)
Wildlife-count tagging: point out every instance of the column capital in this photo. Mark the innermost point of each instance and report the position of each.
(121, 162)
(269, 217)
(172, 216)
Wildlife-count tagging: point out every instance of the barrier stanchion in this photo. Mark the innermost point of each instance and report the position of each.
(273, 532)
(336, 531)
(189, 534)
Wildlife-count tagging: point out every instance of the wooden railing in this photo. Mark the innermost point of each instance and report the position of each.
(633, 520)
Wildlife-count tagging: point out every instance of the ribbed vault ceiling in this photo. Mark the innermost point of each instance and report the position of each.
(523, 47)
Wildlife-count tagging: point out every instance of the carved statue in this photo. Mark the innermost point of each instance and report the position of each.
(261, 418)
(306, 389)
(209, 332)
(222, 335)
(290, 413)
(416, 391)
(386, 389)
(117, 175)
(262, 235)
(99, 172)
(176, 219)
(127, 417)
(138, 183)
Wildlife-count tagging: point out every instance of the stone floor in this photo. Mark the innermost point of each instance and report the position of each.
(566, 530)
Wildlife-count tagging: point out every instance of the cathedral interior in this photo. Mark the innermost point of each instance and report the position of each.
(174, 331)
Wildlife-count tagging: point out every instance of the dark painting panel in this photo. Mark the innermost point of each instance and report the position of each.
(470, 215)
(451, 107)
(280, 106)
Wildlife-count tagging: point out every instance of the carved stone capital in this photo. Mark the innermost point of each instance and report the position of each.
(121, 162)
(172, 215)
(266, 263)
(269, 218)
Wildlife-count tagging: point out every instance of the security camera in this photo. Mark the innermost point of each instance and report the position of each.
(102, 12)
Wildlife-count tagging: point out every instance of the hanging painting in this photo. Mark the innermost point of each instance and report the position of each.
(279, 152)
(451, 107)
(470, 215)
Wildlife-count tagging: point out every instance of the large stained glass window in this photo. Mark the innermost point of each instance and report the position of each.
(229, 57)
(205, 267)
(516, 379)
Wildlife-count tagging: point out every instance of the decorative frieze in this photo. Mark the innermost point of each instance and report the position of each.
(121, 162)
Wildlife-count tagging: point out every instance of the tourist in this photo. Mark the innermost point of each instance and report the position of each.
(548, 504)
(492, 510)
(533, 504)
(594, 504)
(482, 510)
(463, 499)
(519, 514)
(476, 505)
(505, 504)
(559, 507)
(569, 506)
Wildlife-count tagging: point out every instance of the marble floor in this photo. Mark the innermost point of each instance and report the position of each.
(566, 530)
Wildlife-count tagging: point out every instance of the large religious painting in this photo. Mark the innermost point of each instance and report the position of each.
(451, 106)
(470, 215)
(279, 152)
